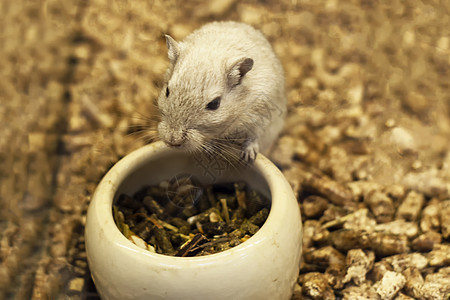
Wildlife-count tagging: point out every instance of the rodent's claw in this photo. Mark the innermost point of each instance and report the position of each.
(251, 149)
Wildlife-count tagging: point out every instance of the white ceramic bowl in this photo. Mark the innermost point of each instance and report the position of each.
(264, 267)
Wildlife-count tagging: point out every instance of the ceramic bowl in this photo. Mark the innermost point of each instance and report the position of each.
(263, 267)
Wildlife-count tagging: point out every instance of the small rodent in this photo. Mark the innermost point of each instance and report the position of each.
(224, 87)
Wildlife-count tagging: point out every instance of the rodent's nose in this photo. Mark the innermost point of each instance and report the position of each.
(173, 143)
(171, 135)
(175, 139)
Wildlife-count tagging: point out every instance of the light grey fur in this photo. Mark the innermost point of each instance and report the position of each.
(205, 65)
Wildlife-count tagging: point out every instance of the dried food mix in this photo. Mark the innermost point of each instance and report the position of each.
(182, 217)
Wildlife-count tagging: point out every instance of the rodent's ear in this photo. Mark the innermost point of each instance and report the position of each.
(238, 70)
(173, 49)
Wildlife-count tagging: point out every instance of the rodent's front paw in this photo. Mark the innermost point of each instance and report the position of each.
(249, 151)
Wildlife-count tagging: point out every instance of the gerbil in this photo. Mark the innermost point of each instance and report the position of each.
(224, 87)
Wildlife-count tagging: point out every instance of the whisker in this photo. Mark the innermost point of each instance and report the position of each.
(145, 134)
(141, 127)
(138, 128)
(147, 138)
(228, 153)
(229, 139)
(141, 116)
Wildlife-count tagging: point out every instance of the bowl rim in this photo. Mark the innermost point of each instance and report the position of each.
(107, 188)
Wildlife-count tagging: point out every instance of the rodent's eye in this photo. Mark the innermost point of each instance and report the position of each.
(213, 105)
(167, 92)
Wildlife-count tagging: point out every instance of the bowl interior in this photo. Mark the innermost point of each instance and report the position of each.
(166, 165)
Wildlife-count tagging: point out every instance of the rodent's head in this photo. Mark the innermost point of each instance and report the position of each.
(202, 97)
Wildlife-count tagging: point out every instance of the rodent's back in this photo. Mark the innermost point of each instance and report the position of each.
(217, 41)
